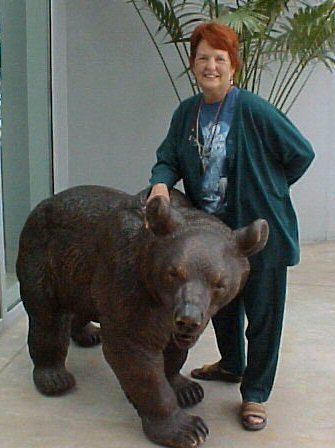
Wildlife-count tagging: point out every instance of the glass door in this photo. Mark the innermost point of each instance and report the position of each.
(25, 128)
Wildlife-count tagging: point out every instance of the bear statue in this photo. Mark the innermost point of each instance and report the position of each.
(151, 276)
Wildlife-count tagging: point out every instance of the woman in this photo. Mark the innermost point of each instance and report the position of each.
(237, 156)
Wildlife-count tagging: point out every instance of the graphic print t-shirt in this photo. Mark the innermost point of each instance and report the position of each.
(214, 180)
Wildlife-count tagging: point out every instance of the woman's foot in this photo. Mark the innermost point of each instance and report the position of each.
(253, 416)
(213, 372)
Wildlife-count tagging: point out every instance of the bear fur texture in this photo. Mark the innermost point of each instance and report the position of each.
(152, 277)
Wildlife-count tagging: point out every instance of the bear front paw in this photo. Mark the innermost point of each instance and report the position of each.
(53, 381)
(180, 430)
(188, 392)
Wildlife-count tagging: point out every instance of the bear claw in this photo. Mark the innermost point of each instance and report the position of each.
(180, 430)
(188, 392)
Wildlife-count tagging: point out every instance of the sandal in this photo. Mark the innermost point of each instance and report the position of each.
(213, 372)
(251, 409)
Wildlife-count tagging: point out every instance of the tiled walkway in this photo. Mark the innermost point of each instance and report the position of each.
(301, 410)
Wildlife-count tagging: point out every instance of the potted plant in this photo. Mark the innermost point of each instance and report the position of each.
(285, 39)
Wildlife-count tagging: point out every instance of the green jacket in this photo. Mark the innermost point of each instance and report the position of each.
(266, 154)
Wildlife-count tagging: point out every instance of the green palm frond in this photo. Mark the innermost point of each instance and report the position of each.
(306, 38)
(271, 8)
(175, 16)
(308, 34)
(243, 19)
(168, 19)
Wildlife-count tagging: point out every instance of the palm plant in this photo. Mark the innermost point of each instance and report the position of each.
(281, 40)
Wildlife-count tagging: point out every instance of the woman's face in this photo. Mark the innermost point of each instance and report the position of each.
(213, 71)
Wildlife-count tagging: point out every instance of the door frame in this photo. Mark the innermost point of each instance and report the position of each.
(39, 120)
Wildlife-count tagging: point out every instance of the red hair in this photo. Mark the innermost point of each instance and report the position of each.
(218, 36)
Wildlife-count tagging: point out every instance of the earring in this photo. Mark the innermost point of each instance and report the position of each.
(231, 81)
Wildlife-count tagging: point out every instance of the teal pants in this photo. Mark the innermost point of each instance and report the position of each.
(262, 301)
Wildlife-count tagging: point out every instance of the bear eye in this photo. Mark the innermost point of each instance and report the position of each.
(176, 273)
(219, 284)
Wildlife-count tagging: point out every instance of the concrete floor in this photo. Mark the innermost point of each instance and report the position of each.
(301, 410)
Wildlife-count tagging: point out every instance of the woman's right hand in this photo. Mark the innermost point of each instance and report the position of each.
(159, 190)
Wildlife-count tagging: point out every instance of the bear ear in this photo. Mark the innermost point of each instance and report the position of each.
(252, 238)
(161, 218)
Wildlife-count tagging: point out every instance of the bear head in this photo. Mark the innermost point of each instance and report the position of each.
(195, 264)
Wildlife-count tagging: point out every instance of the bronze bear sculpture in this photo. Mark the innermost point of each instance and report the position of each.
(152, 277)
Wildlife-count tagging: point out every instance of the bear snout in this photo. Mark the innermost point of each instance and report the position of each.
(188, 318)
(188, 324)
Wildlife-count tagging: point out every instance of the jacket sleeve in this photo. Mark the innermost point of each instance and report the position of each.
(166, 170)
(287, 144)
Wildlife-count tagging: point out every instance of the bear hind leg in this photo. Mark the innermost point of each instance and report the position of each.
(48, 342)
(84, 332)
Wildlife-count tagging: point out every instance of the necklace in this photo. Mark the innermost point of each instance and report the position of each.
(205, 149)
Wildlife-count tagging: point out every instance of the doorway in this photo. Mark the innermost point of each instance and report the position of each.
(26, 162)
